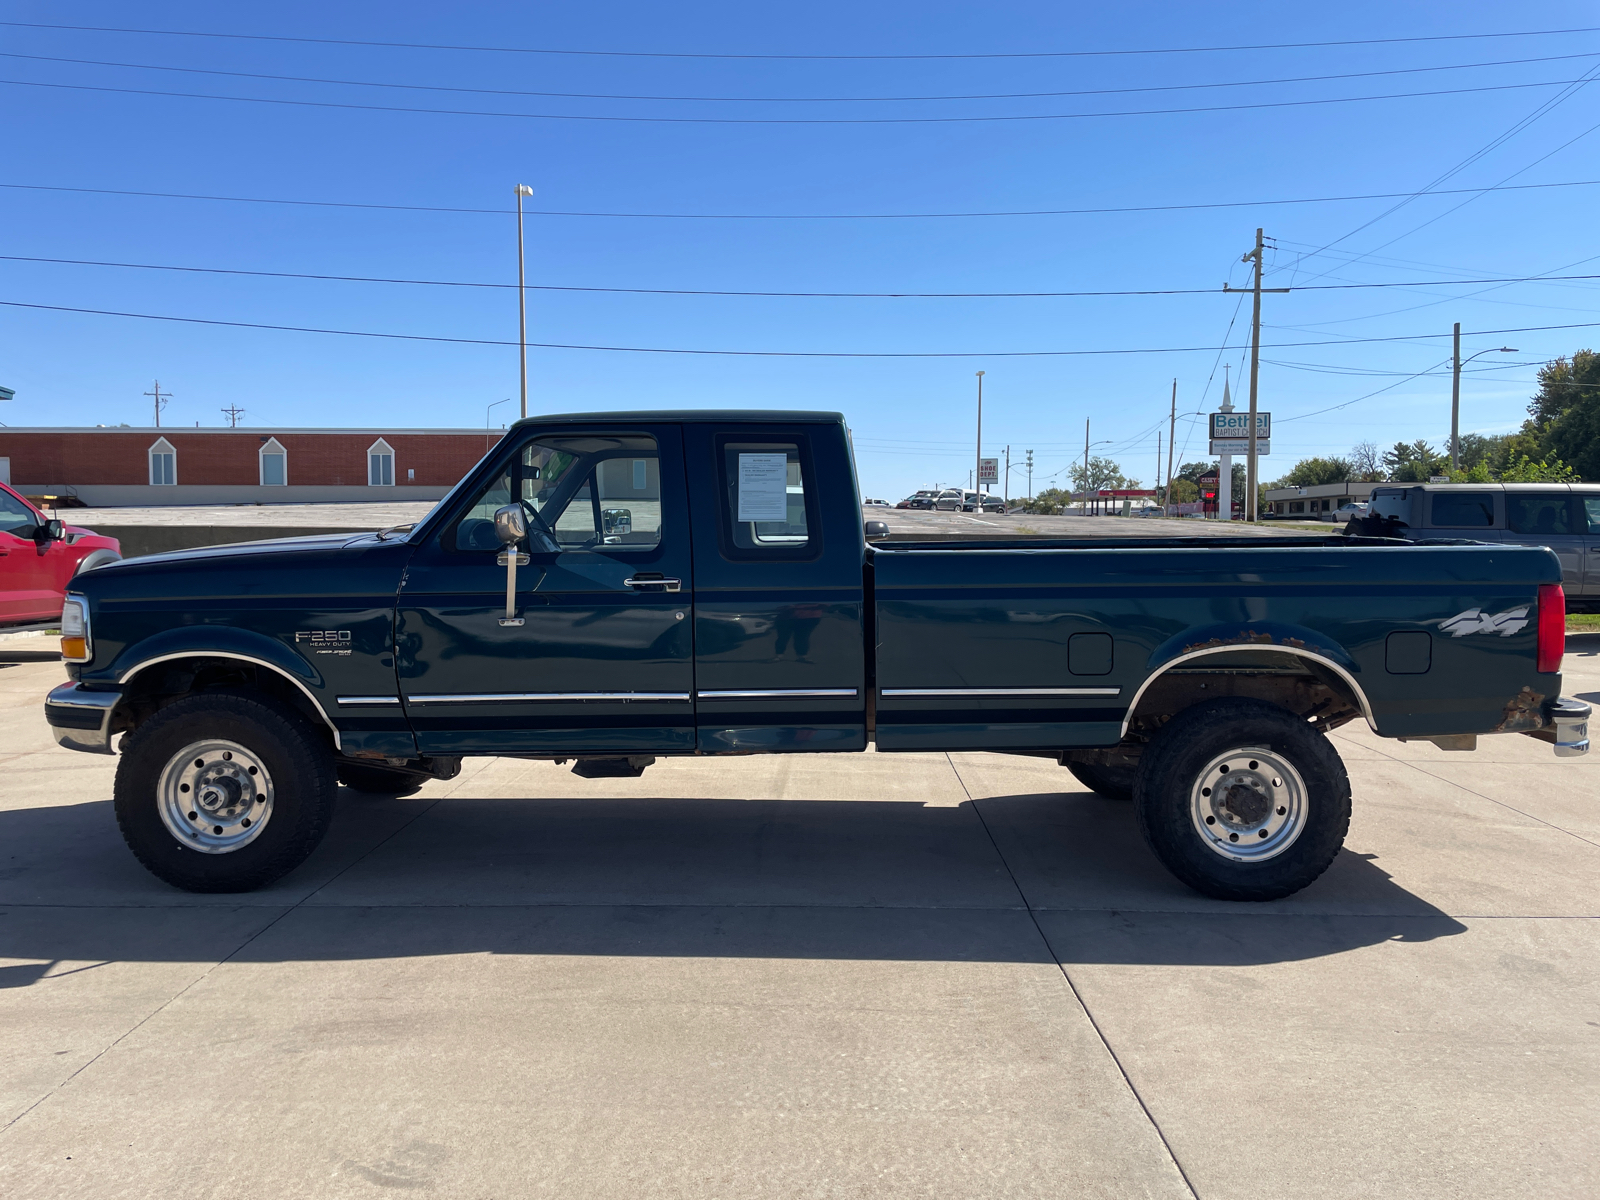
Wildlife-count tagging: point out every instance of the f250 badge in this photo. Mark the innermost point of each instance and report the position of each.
(324, 641)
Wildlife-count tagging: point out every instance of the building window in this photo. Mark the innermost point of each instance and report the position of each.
(380, 464)
(274, 464)
(163, 464)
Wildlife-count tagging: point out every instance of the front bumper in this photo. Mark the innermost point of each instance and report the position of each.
(80, 718)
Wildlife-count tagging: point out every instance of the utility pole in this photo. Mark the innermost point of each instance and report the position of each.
(1005, 492)
(1086, 466)
(160, 401)
(522, 296)
(977, 462)
(1172, 441)
(233, 412)
(1251, 466)
(1455, 402)
(1030, 476)
(1158, 461)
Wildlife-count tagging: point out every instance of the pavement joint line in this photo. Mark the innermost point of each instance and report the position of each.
(1172, 1155)
(1490, 799)
(206, 974)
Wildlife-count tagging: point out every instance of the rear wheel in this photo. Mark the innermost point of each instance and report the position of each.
(375, 781)
(1242, 800)
(1114, 783)
(224, 793)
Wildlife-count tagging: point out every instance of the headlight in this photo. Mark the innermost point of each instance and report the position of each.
(75, 644)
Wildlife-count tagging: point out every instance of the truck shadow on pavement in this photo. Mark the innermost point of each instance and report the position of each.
(676, 877)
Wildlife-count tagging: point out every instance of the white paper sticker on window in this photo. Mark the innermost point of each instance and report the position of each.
(762, 482)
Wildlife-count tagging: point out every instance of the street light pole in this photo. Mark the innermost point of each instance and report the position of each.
(487, 424)
(1457, 362)
(977, 463)
(522, 296)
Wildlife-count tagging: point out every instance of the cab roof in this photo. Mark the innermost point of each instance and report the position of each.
(724, 416)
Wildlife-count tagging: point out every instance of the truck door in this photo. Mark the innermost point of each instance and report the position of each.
(780, 647)
(28, 590)
(1587, 505)
(600, 659)
(1546, 518)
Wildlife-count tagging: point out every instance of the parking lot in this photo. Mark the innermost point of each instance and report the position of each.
(910, 975)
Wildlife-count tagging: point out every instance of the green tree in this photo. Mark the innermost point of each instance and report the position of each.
(1525, 470)
(1102, 473)
(1184, 491)
(1565, 414)
(1414, 462)
(1314, 472)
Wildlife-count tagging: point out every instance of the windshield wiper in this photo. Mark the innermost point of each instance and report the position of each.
(383, 534)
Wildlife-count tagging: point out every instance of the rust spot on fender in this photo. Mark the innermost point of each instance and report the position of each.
(1248, 638)
(1522, 712)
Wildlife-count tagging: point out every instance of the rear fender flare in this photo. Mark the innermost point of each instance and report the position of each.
(1210, 640)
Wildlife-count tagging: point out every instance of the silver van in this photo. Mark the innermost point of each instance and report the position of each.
(1562, 516)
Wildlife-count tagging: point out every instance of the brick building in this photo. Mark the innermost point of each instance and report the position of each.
(111, 467)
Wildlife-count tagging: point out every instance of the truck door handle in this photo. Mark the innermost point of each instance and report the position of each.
(652, 580)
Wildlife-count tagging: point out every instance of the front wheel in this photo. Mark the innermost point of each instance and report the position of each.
(1242, 800)
(224, 793)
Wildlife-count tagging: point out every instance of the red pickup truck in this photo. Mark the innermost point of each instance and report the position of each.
(39, 556)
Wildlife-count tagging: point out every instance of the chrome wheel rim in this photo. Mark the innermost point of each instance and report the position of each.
(1248, 804)
(215, 796)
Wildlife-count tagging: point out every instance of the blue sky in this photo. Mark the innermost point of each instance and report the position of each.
(913, 417)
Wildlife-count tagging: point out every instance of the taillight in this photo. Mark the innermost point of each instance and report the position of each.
(1552, 627)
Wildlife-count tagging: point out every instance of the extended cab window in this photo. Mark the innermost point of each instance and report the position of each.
(1463, 510)
(1591, 513)
(765, 501)
(1540, 512)
(588, 492)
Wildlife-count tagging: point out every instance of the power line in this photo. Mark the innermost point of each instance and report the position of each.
(548, 287)
(615, 118)
(418, 337)
(1501, 139)
(1038, 212)
(263, 37)
(478, 91)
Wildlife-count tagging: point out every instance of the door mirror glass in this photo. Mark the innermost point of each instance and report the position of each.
(53, 531)
(510, 524)
(877, 529)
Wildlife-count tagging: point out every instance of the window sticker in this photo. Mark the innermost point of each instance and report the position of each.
(763, 480)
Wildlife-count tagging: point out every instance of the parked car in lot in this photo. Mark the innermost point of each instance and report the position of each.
(1565, 517)
(920, 499)
(39, 555)
(1349, 512)
(745, 611)
(956, 500)
(875, 504)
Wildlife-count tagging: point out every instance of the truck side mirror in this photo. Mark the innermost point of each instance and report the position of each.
(510, 524)
(876, 529)
(51, 531)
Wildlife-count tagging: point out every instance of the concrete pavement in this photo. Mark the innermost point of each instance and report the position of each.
(870, 975)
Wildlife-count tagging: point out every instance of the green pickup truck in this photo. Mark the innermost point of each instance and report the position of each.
(606, 589)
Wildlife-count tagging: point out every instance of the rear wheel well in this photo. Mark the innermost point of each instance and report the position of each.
(1303, 686)
(164, 683)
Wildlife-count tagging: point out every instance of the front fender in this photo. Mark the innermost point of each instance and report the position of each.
(226, 641)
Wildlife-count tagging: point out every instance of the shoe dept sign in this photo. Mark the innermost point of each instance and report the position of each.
(1230, 433)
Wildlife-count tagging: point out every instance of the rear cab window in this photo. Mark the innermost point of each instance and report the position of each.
(769, 494)
(1461, 510)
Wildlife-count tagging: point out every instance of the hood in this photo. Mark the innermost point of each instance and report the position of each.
(288, 545)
